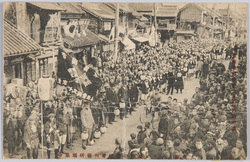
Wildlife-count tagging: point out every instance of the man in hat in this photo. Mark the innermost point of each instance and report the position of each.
(171, 82)
(123, 98)
(31, 137)
(156, 150)
(52, 135)
(163, 127)
(132, 95)
(141, 134)
(112, 99)
(133, 143)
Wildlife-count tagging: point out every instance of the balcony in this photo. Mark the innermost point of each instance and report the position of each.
(166, 26)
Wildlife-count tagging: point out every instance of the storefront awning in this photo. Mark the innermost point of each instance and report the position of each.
(185, 32)
(140, 39)
(103, 38)
(82, 40)
(128, 44)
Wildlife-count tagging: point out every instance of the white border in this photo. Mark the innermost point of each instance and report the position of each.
(143, 1)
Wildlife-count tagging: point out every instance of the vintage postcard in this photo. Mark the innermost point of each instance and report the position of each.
(125, 81)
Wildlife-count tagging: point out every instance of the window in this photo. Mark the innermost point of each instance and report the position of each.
(107, 26)
(31, 71)
(18, 70)
(204, 18)
(43, 67)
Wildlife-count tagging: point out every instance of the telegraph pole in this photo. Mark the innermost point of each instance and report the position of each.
(155, 23)
(116, 31)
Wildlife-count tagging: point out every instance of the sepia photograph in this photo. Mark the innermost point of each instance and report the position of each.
(91, 80)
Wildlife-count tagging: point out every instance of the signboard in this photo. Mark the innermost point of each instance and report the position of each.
(45, 88)
(171, 26)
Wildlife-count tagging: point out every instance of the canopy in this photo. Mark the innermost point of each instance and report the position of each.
(140, 39)
(128, 43)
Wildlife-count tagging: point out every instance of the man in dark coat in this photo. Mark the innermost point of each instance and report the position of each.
(156, 150)
(133, 143)
(132, 95)
(163, 124)
(205, 69)
(171, 82)
(123, 98)
(112, 99)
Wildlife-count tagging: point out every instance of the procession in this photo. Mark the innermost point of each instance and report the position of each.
(86, 96)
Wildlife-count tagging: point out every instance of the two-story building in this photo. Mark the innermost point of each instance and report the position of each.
(195, 18)
(166, 16)
(19, 53)
(102, 20)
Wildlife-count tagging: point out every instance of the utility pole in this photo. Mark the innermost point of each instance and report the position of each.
(213, 20)
(116, 31)
(227, 19)
(155, 23)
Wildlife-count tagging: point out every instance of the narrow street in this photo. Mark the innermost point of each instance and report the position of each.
(123, 128)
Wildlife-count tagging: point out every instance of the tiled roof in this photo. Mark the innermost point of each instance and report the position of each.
(71, 7)
(16, 42)
(46, 6)
(99, 10)
(82, 41)
(167, 11)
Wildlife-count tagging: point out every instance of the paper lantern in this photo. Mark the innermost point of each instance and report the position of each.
(122, 105)
(117, 112)
(45, 88)
(97, 134)
(103, 129)
(84, 135)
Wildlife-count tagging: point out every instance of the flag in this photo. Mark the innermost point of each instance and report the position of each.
(73, 72)
(78, 74)
(85, 80)
(112, 34)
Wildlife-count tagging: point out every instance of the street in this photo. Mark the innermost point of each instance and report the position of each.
(123, 128)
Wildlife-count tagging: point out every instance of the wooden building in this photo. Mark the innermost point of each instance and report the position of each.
(166, 16)
(198, 18)
(20, 51)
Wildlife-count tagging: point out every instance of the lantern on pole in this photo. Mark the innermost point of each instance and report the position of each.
(45, 92)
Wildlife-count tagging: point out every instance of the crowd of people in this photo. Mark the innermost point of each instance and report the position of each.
(175, 130)
(212, 126)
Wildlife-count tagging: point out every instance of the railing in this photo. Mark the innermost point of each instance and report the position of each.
(166, 27)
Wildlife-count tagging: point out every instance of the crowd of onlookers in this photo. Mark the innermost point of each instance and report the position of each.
(210, 126)
(196, 129)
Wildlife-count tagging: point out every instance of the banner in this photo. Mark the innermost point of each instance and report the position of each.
(77, 74)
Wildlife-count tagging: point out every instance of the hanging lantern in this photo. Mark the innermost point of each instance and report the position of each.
(103, 129)
(122, 104)
(97, 134)
(117, 112)
(84, 135)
